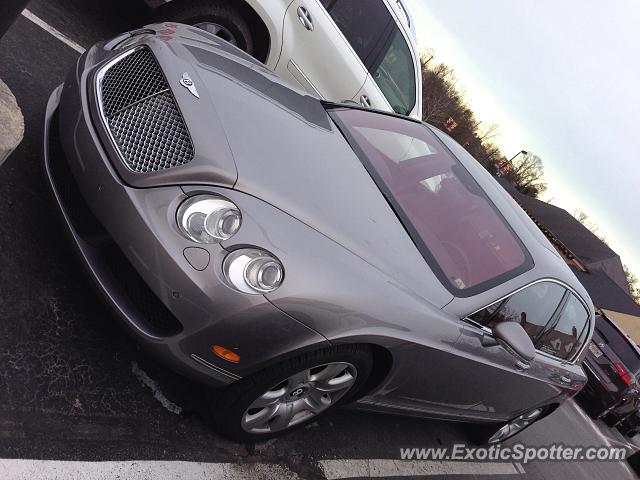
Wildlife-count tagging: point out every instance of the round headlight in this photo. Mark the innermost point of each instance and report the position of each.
(208, 219)
(251, 270)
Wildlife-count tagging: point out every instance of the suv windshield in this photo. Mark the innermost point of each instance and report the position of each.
(458, 230)
(620, 344)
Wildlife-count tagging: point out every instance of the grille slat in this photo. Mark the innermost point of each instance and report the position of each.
(143, 116)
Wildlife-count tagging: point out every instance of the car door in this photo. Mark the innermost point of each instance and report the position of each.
(316, 55)
(557, 323)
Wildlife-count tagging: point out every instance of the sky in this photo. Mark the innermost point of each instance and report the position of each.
(561, 79)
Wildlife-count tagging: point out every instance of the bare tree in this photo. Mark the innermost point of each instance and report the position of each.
(492, 131)
(581, 216)
(444, 105)
(440, 98)
(634, 286)
(526, 173)
(632, 279)
(584, 219)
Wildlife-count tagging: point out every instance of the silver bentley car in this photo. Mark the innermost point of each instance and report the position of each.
(295, 254)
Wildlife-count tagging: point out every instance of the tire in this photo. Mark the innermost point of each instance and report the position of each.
(610, 420)
(626, 431)
(594, 411)
(216, 12)
(601, 414)
(238, 411)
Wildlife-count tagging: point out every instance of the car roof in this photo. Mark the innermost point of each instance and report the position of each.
(399, 6)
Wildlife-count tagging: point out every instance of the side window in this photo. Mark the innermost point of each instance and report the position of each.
(566, 336)
(532, 307)
(362, 22)
(394, 73)
(370, 29)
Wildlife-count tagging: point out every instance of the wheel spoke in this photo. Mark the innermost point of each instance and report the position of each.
(269, 398)
(283, 416)
(336, 384)
(316, 402)
(298, 379)
(260, 419)
(328, 372)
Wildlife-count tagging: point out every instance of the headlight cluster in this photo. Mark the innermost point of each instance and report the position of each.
(213, 219)
(251, 270)
(208, 219)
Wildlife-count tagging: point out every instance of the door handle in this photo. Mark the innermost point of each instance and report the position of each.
(305, 18)
(520, 365)
(365, 102)
(565, 379)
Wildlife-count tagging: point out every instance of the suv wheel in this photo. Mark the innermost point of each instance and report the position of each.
(292, 393)
(214, 16)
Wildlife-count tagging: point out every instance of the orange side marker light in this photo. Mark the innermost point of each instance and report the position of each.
(225, 353)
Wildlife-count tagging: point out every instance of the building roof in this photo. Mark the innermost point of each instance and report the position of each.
(605, 293)
(573, 235)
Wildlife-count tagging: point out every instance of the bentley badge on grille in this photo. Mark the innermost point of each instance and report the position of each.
(186, 82)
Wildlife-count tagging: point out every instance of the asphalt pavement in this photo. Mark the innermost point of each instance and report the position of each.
(79, 400)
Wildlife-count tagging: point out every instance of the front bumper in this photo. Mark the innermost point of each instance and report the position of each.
(128, 240)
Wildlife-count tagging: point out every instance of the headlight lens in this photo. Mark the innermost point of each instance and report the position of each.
(208, 219)
(251, 270)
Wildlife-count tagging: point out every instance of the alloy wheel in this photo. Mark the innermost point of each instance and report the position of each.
(299, 397)
(515, 425)
(219, 31)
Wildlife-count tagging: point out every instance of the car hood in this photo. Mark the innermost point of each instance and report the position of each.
(287, 152)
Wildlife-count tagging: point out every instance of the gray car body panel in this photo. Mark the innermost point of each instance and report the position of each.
(142, 222)
(352, 273)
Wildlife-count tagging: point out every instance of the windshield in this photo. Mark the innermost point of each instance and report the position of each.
(619, 344)
(451, 220)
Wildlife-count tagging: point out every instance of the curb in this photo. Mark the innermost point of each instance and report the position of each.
(11, 122)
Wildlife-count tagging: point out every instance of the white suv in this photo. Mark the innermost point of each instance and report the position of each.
(360, 50)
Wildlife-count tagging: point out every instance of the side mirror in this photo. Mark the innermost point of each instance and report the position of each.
(513, 336)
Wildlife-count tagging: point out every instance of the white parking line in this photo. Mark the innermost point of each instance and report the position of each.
(21, 469)
(56, 33)
(377, 468)
(12, 469)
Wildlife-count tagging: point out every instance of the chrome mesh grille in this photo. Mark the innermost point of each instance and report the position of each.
(142, 115)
